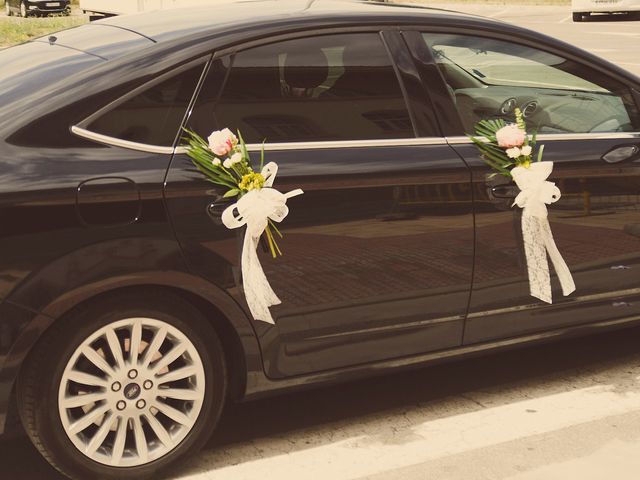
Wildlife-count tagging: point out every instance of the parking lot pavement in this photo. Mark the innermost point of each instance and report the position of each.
(613, 37)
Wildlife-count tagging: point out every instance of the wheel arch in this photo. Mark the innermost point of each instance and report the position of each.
(241, 348)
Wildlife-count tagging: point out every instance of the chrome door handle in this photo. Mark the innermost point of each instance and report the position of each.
(505, 191)
(214, 210)
(621, 153)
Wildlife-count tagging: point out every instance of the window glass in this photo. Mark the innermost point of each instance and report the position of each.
(154, 116)
(490, 78)
(340, 87)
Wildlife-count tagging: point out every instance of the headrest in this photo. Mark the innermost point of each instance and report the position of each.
(306, 69)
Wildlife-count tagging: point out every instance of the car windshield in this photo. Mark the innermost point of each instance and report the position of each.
(499, 68)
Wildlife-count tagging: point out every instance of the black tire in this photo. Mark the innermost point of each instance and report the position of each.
(578, 17)
(42, 373)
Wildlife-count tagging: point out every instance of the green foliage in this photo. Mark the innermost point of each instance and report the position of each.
(492, 154)
(14, 30)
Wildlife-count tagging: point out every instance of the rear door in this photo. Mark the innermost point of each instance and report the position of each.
(589, 123)
(378, 251)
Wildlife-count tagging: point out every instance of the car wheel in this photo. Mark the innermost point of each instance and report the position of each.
(23, 10)
(578, 17)
(123, 388)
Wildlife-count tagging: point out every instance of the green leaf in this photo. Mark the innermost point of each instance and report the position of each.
(231, 193)
(244, 151)
(540, 151)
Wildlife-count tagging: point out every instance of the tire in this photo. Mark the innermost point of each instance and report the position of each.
(130, 427)
(578, 17)
(23, 10)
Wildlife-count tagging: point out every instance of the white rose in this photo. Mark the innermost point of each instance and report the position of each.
(236, 158)
(526, 150)
(216, 162)
(513, 152)
(227, 163)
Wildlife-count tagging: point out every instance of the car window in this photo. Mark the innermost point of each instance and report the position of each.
(489, 78)
(151, 117)
(325, 88)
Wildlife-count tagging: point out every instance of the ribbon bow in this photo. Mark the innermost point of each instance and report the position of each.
(254, 209)
(536, 193)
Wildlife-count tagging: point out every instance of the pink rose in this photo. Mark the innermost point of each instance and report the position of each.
(510, 136)
(222, 142)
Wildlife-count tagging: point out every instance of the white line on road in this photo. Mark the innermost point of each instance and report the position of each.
(623, 34)
(369, 449)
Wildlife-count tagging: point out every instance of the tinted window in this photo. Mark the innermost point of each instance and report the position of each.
(153, 116)
(489, 78)
(340, 87)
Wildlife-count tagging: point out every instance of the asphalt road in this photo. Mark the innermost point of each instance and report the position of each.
(562, 411)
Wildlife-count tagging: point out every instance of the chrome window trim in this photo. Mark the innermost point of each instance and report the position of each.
(562, 137)
(328, 145)
(118, 142)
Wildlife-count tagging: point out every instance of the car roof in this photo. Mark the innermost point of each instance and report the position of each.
(196, 17)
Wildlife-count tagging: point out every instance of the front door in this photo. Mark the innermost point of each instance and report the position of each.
(378, 251)
(589, 124)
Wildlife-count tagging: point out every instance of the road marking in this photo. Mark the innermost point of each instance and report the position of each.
(498, 13)
(566, 19)
(370, 447)
(624, 34)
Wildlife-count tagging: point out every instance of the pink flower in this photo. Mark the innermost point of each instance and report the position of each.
(510, 136)
(222, 142)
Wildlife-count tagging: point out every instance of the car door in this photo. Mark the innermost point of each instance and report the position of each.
(587, 117)
(378, 251)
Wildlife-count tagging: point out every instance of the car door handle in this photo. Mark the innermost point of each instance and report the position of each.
(505, 191)
(621, 153)
(214, 210)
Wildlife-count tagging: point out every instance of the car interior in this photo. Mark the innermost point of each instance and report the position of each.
(489, 79)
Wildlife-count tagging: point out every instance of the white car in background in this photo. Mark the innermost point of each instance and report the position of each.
(583, 8)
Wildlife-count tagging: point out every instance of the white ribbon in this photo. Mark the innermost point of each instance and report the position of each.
(254, 210)
(536, 193)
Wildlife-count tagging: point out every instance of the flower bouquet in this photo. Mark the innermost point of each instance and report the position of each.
(506, 146)
(224, 160)
(509, 150)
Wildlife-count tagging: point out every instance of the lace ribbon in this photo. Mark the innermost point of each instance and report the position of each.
(535, 194)
(254, 210)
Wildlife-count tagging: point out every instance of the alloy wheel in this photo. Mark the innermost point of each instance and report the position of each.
(131, 392)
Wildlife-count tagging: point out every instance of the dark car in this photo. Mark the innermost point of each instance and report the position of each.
(27, 8)
(123, 325)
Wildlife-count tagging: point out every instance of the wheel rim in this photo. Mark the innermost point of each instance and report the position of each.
(131, 392)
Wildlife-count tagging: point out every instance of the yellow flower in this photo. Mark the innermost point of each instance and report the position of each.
(252, 181)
